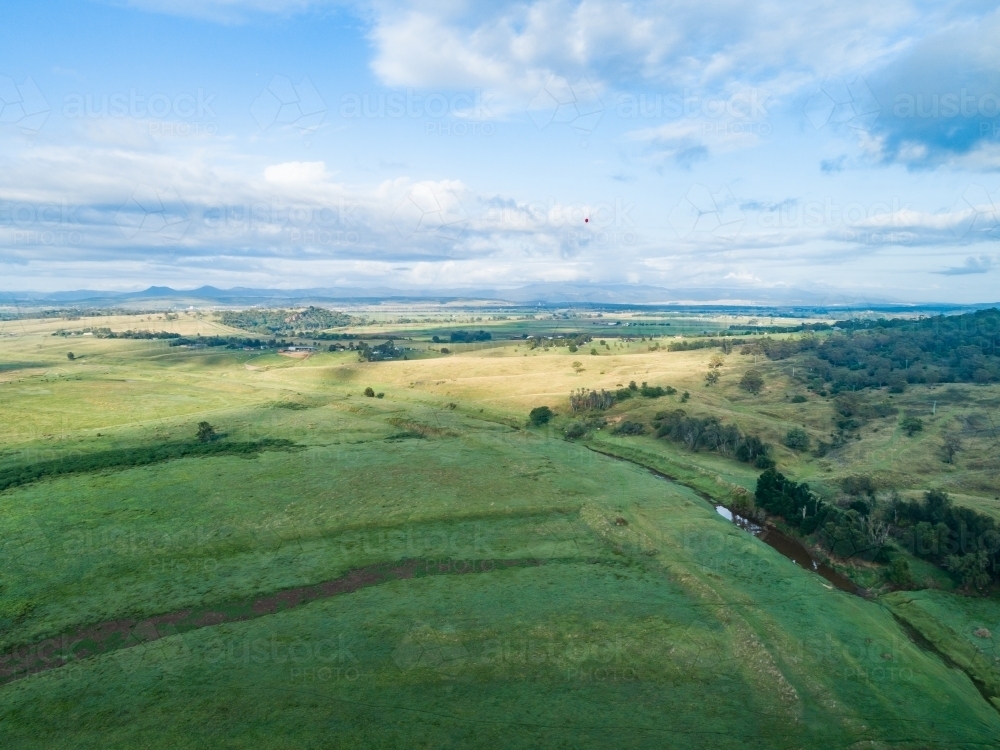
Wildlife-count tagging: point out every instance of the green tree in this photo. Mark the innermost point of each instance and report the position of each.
(70, 356)
(206, 432)
(540, 415)
(370, 392)
(912, 425)
(971, 569)
(797, 439)
(899, 571)
(752, 382)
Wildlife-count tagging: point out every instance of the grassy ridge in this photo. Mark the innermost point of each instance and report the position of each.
(124, 458)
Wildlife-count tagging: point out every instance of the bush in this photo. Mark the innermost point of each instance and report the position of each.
(752, 382)
(630, 428)
(797, 439)
(912, 425)
(649, 391)
(798, 398)
(379, 395)
(445, 350)
(899, 571)
(206, 432)
(971, 569)
(711, 377)
(370, 392)
(576, 430)
(540, 415)
(70, 356)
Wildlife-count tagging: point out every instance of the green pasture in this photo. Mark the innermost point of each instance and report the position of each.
(602, 605)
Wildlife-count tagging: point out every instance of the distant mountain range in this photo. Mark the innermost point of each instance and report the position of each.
(610, 295)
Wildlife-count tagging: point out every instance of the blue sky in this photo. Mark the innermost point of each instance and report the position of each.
(851, 152)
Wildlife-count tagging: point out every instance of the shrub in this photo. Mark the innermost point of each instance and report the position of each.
(752, 382)
(206, 432)
(576, 430)
(370, 392)
(630, 428)
(70, 356)
(649, 391)
(797, 439)
(798, 398)
(899, 571)
(711, 377)
(540, 415)
(445, 350)
(912, 425)
(971, 569)
(593, 351)
(379, 395)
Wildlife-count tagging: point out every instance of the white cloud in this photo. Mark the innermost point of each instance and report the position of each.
(296, 172)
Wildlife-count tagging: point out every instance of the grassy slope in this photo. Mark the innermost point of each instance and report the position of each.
(704, 634)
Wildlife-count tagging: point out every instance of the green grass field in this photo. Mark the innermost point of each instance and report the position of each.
(557, 597)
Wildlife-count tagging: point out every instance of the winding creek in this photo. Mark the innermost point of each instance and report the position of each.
(793, 550)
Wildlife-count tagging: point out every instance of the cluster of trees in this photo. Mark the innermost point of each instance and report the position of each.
(107, 333)
(286, 322)
(629, 427)
(589, 400)
(466, 337)
(573, 341)
(896, 353)
(230, 342)
(847, 533)
(687, 345)
(708, 433)
(960, 540)
(380, 353)
(122, 458)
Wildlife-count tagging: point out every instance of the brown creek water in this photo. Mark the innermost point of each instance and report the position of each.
(791, 549)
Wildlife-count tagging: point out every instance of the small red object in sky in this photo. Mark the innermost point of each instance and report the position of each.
(586, 221)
